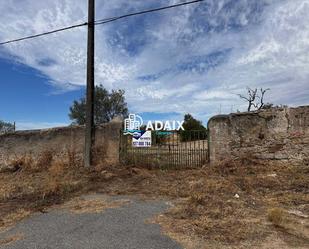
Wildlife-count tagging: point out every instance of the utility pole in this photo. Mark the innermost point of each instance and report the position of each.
(90, 129)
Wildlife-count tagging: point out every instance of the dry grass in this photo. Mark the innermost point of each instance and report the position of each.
(209, 210)
(24, 162)
(57, 168)
(288, 224)
(276, 216)
(80, 205)
(28, 163)
(206, 209)
(44, 160)
(11, 218)
(36, 184)
(11, 239)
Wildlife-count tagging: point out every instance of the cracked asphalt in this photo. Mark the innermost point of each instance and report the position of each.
(124, 227)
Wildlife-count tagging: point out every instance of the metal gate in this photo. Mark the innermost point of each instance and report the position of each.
(172, 149)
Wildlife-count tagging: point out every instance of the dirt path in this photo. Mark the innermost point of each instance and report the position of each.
(93, 221)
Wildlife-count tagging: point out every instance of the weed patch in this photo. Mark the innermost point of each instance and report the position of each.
(231, 205)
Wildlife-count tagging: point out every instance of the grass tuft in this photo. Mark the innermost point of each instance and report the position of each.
(276, 216)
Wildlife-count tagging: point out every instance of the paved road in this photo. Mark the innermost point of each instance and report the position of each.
(118, 228)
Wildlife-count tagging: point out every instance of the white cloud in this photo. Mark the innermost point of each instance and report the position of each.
(266, 45)
(24, 125)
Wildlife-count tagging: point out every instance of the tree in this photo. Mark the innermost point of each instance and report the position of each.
(255, 99)
(107, 105)
(6, 127)
(192, 124)
(194, 129)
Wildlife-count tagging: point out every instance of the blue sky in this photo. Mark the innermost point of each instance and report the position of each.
(27, 98)
(192, 59)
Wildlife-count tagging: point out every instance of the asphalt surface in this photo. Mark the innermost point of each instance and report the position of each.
(118, 228)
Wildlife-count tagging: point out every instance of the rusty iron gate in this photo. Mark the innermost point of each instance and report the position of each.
(185, 149)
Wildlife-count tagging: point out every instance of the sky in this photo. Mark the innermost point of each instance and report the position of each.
(193, 59)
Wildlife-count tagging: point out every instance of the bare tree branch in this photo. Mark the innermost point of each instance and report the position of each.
(253, 97)
(262, 98)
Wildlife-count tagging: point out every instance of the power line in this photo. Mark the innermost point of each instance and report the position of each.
(101, 21)
(45, 33)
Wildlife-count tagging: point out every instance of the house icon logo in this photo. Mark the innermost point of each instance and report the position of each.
(134, 122)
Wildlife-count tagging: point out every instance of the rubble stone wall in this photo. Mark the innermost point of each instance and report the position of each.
(273, 134)
(61, 140)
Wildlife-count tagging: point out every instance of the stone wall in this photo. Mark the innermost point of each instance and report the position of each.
(274, 134)
(61, 140)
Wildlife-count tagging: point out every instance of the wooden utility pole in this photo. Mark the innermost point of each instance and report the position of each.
(90, 129)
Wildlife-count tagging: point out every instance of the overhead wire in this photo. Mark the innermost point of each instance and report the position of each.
(100, 21)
